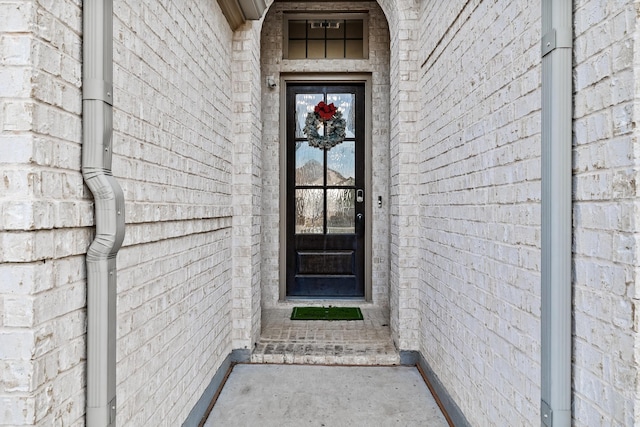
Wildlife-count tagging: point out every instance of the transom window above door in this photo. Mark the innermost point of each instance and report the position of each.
(326, 36)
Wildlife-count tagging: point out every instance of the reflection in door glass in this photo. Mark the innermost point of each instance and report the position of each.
(340, 211)
(341, 164)
(309, 165)
(345, 102)
(305, 104)
(309, 211)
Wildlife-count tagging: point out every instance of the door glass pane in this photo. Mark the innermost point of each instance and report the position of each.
(340, 211)
(305, 104)
(345, 102)
(309, 165)
(309, 211)
(341, 164)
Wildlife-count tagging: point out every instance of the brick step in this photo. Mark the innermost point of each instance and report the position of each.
(369, 354)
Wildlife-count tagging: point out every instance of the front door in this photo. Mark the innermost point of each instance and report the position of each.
(325, 192)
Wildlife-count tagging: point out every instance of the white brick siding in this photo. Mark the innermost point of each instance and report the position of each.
(605, 214)
(247, 186)
(455, 156)
(479, 191)
(173, 157)
(44, 215)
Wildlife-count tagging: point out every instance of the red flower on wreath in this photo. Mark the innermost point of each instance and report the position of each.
(325, 111)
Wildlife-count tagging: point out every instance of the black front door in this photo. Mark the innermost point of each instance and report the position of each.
(325, 194)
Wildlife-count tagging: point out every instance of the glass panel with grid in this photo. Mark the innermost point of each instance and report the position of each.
(326, 39)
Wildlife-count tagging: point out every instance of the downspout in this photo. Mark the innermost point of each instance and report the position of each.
(97, 123)
(557, 116)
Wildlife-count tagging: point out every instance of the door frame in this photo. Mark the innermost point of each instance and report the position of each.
(332, 78)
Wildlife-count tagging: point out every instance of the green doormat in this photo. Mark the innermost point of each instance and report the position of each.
(326, 313)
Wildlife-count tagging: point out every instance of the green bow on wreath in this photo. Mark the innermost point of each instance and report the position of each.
(335, 125)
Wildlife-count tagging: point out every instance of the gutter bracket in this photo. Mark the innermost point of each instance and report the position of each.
(96, 89)
(546, 414)
(557, 38)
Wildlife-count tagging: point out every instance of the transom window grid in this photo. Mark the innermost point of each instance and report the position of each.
(342, 36)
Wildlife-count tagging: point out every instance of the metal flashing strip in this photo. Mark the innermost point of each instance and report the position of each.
(202, 408)
(449, 407)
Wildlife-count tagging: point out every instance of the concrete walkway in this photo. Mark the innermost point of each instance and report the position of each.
(312, 395)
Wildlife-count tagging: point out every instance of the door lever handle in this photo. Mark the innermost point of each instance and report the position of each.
(359, 223)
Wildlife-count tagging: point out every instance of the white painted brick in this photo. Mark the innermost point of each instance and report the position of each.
(16, 344)
(604, 267)
(16, 16)
(456, 157)
(16, 148)
(18, 311)
(14, 82)
(17, 116)
(15, 49)
(17, 412)
(15, 376)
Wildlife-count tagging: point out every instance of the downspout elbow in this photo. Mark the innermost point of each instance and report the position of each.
(109, 215)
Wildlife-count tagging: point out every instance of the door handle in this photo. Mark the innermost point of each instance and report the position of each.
(359, 196)
(359, 223)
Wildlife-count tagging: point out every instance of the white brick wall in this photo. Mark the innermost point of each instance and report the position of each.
(605, 212)
(480, 209)
(404, 235)
(173, 159)
(456, 148)
(44, 215)
(479, 191)
(173, 156)
(247, 186)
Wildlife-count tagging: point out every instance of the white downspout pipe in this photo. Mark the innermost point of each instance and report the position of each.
(557, 116)
(97, 100)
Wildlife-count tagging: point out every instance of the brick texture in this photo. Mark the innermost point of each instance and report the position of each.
(173, 157)
(44, 214)
(455, 156)
(605, 240)
(478, 183)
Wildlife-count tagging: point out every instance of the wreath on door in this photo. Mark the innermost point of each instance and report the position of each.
(334, 131)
